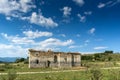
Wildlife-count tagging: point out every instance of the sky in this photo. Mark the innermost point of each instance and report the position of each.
(84, 26)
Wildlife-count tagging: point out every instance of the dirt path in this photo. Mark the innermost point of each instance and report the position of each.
(42, 72)
(56, 71)
(111, 68)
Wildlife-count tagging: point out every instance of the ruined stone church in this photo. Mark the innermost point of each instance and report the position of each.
(42, 59)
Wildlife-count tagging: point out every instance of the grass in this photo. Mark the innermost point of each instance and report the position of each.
(88, 74)
(78, 75)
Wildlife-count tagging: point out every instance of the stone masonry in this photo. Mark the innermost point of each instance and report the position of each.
(43, 59)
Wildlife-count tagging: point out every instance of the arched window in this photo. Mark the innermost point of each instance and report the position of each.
(55, 59)
(37, 61)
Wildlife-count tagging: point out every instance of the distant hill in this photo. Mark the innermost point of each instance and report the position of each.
(8, 59)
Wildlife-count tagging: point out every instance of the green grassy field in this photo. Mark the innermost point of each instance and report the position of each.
(75, 75)
(93, 71)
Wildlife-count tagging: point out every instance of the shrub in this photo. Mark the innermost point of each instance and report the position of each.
(114, 74)
(2, 69)
(96, 74)
(11, 75)
(7, 66)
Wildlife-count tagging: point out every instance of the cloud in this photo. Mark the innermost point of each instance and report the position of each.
(8, 18)
(92, 31)
(88, 12)
(87, 41)
(28, 38)
(55, 42)
(37, 34)
(114, 3)
(25, 5)
(100, 47)
(63, 35)
(82, 18)
(66, 14)
(108, 4)
(17, 40)
(88, 52)
(17, 8)
(39, 19)
(79, 2)
(74, 46)
(101, 5)
(30, 42)
(14, 7)
(66, 11)
(12, 50)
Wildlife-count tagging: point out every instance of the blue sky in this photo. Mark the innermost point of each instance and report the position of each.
(83, 26)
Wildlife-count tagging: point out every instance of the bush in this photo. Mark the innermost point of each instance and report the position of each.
(114, 74)
(2, 69)
(96, 74)
(11, 75)
(7, 66)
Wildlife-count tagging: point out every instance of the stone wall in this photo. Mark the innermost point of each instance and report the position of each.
(39, 59)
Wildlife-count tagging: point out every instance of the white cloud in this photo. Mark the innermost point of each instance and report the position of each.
(19, 45)
(79, 2)
(88, 52)
(28, 38)
(18, 40)
(37, 34)
(12, 50)
(39, 19)
(101, 5)
(111, 3)
(8, 18)
(63, 35)
(108, 4)
(25, 5)
(66, 14)
(100, 47)
(92, 30)
(82, 18)
(74, 46)
(66, 11)
(88, 12)
(55, 42)
(14, 7)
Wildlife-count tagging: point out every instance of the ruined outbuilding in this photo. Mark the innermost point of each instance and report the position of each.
(41, 59)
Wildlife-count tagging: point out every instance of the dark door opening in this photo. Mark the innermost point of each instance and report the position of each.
(48, 63)
(37, 61)
(55, 59)
(72, 62)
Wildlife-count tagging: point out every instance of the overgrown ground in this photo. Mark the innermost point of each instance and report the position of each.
(93, 71)
(92, 74)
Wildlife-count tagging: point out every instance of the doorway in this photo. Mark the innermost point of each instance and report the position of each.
(48, 63)
(72, 62)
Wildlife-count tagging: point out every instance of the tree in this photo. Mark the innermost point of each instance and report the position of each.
(109, 52)
(20, 60)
